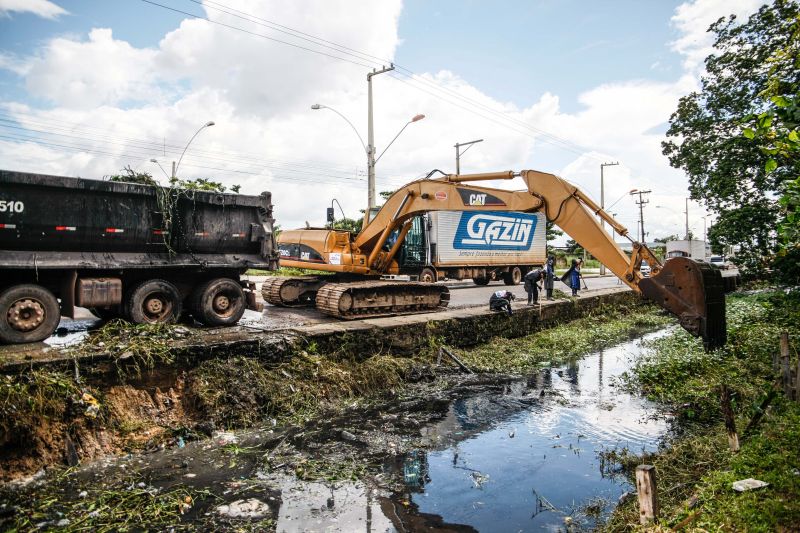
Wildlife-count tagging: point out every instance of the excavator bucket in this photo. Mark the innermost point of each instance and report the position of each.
(695, 293)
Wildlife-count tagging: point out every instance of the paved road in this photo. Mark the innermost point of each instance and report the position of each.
(462, 295)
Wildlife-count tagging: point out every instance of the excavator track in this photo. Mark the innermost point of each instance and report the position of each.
(292, 292)
(368, 299)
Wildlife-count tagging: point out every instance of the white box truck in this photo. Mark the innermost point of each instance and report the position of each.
(478, 245)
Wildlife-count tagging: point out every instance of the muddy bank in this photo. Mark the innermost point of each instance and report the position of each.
(451, 452)
(152, 395)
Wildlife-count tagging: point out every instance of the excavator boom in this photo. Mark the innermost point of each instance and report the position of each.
(691, 290)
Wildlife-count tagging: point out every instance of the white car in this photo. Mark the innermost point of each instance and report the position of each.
(718, 261)
(645, 269)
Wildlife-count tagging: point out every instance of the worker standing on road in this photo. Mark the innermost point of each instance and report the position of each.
(549, 276)
(532, 287)
(572, 277)
(580, 275)
(501, 301)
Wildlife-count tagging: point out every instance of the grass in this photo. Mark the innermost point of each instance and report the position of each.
(605, 326)
(134, 347)
(697, 463)
(27, 400)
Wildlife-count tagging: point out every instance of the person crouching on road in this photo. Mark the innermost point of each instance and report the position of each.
(549, 276)
(532, 287)
(501, 301)
(572, 277)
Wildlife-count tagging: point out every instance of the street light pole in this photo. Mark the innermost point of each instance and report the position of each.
(686, 212)
(371, 138)
(459, 153)
(174, 166)
(603, 203)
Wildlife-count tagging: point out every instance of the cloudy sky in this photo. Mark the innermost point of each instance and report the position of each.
(88, 87)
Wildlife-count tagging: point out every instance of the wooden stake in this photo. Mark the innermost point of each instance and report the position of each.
(785, 372)
(730, 422)
(646, 490)
(797, 382)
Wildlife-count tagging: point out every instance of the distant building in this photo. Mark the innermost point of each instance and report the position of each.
(696, 249)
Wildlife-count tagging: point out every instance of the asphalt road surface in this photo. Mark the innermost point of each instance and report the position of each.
(462, 294)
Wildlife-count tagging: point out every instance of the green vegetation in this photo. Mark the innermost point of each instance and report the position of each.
(135, 347)
(29, 400)
(287, 272)
(678, 372)
(606, 325)
(125, 505)
(738, 174)
(240, 391)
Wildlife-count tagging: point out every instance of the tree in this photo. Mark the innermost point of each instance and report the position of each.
(776, 131)
(129, 175)
(726, 170)
(665, 240)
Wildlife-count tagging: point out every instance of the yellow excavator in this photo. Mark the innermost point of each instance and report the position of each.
(691, 290)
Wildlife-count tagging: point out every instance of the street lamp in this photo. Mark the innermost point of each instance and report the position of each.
(459, 153)
(370, 151)
(159, 166)
(320, 106)
(415, 118)
(620, 198)
(174, 166)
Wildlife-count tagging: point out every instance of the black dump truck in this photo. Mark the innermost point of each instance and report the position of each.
(143, 253)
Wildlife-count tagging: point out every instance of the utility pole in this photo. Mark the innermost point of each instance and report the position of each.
(603, 203)
(641, 202)
(459, 153)
(686, 212)
(371, 138)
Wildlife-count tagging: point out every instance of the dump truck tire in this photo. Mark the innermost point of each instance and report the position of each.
(513, 276)
(155, 301)
(480, 281)
(28, 313)
(219, 302)
(428, 275)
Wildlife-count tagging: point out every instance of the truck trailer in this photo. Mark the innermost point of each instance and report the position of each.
(482, 246)
(143, 253)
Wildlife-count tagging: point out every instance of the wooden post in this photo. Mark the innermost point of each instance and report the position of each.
(730, 422)
(785, 372)
(646, 490)
(797, 382)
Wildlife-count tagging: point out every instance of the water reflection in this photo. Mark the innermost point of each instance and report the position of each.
(526, 459)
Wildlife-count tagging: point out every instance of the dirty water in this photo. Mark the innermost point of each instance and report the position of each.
(518, 454)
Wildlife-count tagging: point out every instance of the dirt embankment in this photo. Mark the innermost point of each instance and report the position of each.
(152, 396)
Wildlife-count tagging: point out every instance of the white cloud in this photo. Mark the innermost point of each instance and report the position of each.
(692, 20)
(41, 8)
(266, 136)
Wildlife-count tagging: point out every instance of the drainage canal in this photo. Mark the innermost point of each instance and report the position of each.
(499, 455)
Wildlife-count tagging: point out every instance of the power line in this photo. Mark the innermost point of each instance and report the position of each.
(415, 80)
(378, 61)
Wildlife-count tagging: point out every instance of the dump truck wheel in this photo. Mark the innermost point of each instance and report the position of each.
(480, 281)
(428, 275)
(28, 313)
(513, 276)
(154, 301)
(219, 302)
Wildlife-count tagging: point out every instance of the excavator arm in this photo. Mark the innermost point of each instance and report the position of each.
(691, 290)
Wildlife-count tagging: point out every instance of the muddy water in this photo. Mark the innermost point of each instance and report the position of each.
(491, 454)
(498, 468)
